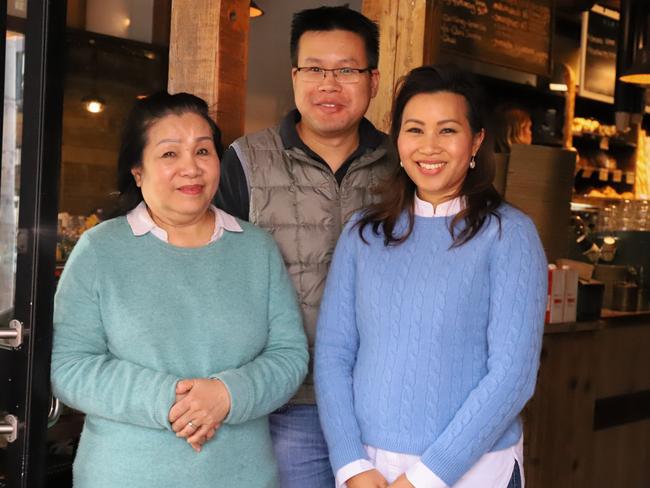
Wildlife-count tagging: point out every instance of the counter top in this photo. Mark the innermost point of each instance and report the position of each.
(609, 319)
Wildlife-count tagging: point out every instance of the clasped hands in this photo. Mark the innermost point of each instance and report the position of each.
(200, 407)
(374, 479)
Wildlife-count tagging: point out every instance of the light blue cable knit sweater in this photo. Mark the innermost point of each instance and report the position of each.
(133, 315)
(426, 350)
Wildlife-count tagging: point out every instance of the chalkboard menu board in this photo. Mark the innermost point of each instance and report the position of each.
(598, 56)
(512, 33)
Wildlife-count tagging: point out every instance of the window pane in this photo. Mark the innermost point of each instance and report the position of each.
(10, 177)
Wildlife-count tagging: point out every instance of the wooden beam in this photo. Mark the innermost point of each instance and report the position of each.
(76, 14)
(642, 166)
(405, 34)
(569, 106)
(208, 56)
(161, 22)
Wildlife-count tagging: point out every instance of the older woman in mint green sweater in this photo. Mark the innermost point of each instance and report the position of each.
(176, 326)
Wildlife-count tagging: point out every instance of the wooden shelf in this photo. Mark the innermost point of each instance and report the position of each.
(616, 140)
(596, 201)
(605, 174)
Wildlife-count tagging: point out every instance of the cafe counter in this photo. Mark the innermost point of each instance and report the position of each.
(588, 424)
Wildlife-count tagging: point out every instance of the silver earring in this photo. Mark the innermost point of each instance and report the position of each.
(472, 162)
(401, 164)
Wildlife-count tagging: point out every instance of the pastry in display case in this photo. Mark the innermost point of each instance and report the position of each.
(606, 160)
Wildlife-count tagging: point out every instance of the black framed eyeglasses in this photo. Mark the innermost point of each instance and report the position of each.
(316, 74)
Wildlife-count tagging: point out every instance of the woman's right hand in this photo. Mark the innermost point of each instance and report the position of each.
(367, 479)
(197, 445)
(201, 405)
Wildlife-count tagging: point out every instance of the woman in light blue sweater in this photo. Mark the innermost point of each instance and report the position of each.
(176, 327)
(431, 323)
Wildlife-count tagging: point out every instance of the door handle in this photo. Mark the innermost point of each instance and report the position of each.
(9, 423)
(12, 336)
(8, 429)
(55, 411)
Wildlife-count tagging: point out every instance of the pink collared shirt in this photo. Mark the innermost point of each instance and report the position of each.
(141, 223)
(493, 469)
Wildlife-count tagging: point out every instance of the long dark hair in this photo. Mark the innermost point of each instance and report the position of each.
(143, 115)
(397, 193)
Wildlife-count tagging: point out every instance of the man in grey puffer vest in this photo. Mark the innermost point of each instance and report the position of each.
(301, 181)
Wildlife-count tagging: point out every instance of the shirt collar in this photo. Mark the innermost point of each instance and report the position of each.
(141, 223)
(444, 209)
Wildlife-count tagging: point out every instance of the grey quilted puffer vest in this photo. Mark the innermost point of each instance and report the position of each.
(301, 204)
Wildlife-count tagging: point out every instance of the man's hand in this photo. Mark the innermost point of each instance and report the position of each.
(201, 405)
(368, 479)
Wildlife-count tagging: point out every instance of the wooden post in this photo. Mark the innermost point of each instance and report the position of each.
(642, 165)
(208, 56)
(406, 41)
(569, 105)
(76, 14)
(161, 22)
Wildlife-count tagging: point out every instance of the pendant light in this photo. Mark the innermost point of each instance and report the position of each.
(639, 72)
(254, 10)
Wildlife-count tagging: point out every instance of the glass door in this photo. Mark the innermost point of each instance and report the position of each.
(31, 50)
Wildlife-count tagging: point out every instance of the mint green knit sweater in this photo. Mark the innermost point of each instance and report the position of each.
(133, 315)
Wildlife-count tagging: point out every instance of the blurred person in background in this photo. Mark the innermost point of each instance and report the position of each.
(512, 125)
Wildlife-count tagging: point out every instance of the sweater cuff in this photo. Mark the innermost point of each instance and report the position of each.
(240, 402)
(444, 464)
(352, 469)
(420, 476)
(346, 451)
(165, 401)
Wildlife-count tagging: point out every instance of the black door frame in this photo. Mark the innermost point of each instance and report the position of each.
(28, 368)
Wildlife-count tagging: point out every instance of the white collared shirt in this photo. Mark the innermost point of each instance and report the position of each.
(493, 469)
(141, 223)
(451, 207)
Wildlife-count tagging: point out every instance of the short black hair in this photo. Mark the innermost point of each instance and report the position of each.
(143, 115)
(335, 18)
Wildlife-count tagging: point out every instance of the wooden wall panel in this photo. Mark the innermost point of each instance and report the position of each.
(558, 420)
(622, 452)
(90, 145)
(539, 182)
(564, 446)
(622, 456)
(208, 56)
(625, 361)
(404, 31)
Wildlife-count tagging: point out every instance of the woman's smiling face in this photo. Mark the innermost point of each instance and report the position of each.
(179, 173)
(436, 143)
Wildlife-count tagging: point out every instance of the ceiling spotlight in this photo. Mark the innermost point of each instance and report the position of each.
(559, 87)
(94, 105)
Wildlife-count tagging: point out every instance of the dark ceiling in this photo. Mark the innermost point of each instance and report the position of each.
(576, 6)
(613, 4)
